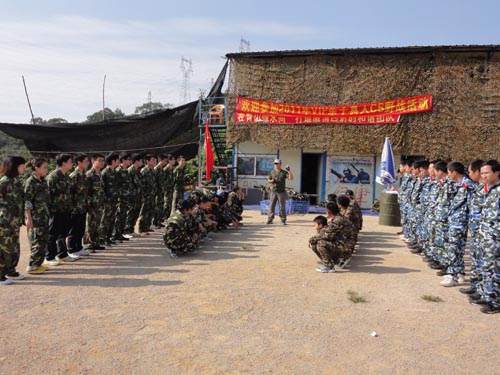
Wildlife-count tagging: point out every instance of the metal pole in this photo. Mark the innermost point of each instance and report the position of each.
(29, 104)
(103, 104)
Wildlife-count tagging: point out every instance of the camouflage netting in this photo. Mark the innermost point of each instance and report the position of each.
(462, 125)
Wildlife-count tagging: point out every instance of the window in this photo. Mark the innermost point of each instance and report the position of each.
(255, 165)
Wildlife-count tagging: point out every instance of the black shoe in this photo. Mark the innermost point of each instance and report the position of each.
(124, 238)
(488, 309)
(436, 266)
(283, 222)
(269, 222)
(416, 250)
(475, 296)
(441, 273)
(426, 259)
(399, 233)
(478, 302)
(99, 247)
(469, 290)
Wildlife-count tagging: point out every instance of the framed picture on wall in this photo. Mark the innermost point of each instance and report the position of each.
(264, 165)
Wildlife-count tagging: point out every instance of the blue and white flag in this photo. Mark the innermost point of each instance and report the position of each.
(386, 174)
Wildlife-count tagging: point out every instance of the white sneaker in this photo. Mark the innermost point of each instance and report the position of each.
(128, 236)
(83, 253)
(53, 262)
(16, 276)
(325, 270)
(75, 256)
(67, 259)
(6, 282)
(449, 280)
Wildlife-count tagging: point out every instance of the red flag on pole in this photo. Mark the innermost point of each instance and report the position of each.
(209, 153)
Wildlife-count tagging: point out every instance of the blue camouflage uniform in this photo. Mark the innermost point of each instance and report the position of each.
(489, 244)
(443, 201)
(458, 218)
(430, 218)
(415, 212)
(475, 208)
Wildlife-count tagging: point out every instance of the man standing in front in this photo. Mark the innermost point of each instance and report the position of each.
(277, 179)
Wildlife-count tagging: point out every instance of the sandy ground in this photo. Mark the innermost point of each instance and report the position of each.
(249, 302)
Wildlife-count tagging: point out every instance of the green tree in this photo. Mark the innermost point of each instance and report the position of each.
(152, 107)
(109, 114)
(56, 120)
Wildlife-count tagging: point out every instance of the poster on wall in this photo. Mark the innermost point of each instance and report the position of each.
(354, 173)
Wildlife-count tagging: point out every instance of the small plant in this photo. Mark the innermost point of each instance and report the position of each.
(355, 297)
(431, 298)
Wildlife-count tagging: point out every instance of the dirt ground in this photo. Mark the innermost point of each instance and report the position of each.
(249, 302)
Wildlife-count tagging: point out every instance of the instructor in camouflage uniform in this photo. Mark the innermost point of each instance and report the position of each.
(277, 179)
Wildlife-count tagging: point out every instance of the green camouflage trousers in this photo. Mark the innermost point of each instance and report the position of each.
(327, 252)
(91, 237)
(121, 217)
(107, 221)
(159, 209)
(167, 206)
(38, 239)
(132, 215)
(147, 213)
(9, 250)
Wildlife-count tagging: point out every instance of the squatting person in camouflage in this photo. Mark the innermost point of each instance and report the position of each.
(177, 237)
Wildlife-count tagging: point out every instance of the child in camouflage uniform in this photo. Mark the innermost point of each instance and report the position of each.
(36, 197)
(11, 218)
(177, 237)
(322, 247)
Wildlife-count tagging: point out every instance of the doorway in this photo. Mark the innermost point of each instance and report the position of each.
(310, 181)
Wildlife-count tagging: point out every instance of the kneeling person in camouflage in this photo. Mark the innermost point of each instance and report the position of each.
(177, 237)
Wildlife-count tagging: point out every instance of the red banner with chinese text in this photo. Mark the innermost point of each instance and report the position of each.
(386, 112)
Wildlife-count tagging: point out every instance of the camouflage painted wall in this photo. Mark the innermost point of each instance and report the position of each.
(463, 125)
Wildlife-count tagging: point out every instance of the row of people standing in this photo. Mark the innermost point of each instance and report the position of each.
(440, 204)
(74, 210)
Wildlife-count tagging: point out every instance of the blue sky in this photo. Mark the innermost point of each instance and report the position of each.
(64, 48)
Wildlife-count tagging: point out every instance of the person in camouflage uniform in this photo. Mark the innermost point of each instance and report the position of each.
(179, 172)
(475, 207)
(123, 191)
(432, 250)
(177, 237)
(355, 206)
(447, 191)
(36, 197)
(277, 179)
(414, 213)
(148, 181)
(348, 212)
(169, 185)
(11, 217)
(135, 202)
(235, 202)
(61, 206)
(107, 221)
(427, 200)
(95, 191)
(159, 207)
(322, 247)
(489, 240)
(341, 232)
(403, 192)
(79, 193)
(458, 218)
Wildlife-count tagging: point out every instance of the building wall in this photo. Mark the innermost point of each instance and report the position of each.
(293, 158)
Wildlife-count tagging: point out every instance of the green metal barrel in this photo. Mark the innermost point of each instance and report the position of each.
(389, 210)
